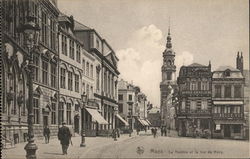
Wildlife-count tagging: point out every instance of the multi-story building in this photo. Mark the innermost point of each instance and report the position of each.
(194, 109)
(106, 75)
(168, 84)
(126, 104)
(15, 77)
(228, 102)
(77, 68)
(154, 117)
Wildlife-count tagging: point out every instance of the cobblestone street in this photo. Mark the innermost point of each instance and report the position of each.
(137, 146)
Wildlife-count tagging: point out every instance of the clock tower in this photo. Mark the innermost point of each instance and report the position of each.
(168, 83)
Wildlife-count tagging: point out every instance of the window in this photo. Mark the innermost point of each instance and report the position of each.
(77, 83)
(83, 66)
(68, 113)
(217, 91)
(87, 90)
(53, 75)
(91, 91)
(71, 49)
(87, 69)
(129, 97)
(78, 53)
(204, 104)
(36, 110)
(53, 113)
(193, 105)
(237, 128)
(63, 77)
(45, 72)
(183, 105)
(120, 97)
(97, 80)
(169, 75)
(44, 28)
(64, 45)
(83, 87)
(228, 91)
(77, 106)
(237, 91)
(60, 113)
(227, 73)
(97, 44)
(36, 67)
(120, 108)
(70, 81)
(53, 35)
(91, 71)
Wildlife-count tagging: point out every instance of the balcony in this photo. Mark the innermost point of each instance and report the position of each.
(228, 116)
(196, 92)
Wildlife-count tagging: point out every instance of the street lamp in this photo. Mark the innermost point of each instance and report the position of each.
(84, 101)
(30, 31)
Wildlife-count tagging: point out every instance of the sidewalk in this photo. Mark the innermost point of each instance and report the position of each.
(53, 149)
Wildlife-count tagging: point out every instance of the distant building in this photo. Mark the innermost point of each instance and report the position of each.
(154, 117)
(194, 109)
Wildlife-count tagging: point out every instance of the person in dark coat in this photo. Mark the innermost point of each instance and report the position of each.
(165, 131)
(162, 130)
(64, 136)
(46, 134)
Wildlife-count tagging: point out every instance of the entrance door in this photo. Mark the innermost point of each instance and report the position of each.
(76, 122)
(45, 120)
(227, 131)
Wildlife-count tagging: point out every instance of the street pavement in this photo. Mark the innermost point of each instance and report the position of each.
(143, 145)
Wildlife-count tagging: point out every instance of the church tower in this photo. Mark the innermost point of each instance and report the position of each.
(239, 62)
(168, 83)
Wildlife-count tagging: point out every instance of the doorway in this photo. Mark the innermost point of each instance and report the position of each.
(76, 123)
(45, 121)
(227, 131)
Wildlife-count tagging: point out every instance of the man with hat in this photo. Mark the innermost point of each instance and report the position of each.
(64, 136)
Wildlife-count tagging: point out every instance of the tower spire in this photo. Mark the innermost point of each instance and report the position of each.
(169, 44)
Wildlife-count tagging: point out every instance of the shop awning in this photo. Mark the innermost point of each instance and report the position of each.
(145, 122)
(124, 121)
(140, 121)
(217, 122)
(228, 103)
(148, 121)
(97, 116)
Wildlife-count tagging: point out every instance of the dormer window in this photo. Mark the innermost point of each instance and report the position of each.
(227, 73)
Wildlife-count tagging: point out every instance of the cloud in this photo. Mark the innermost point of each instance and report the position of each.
(141, 62)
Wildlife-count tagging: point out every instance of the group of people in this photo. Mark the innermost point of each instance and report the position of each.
(64, 135)
(163, 131)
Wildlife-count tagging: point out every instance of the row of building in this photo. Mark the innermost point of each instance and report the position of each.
(202, 102)
(70, 60)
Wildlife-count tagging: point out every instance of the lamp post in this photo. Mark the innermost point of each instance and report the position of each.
(84, 101)
(30, 31)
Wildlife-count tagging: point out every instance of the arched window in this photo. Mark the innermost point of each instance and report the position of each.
(169, 62)
(61, 112)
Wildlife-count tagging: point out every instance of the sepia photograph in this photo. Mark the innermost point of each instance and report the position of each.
(124, 79)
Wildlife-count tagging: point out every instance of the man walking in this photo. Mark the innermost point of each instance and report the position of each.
(64, 136)
(46, 134)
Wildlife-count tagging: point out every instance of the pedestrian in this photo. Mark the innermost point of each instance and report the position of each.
(155, 131)
(46, 134)
(114, 133)
(162, 130)
(165, 131)
(118, 132)
(137, 130)
(64, 136)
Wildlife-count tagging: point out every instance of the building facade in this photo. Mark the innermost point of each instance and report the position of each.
(168, 84)
(154, 117)
(228, 102)
(194, 109)
(15, 77)
(106, 75)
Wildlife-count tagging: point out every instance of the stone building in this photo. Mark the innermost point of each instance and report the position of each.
(154, 117)
(228, 103)
(106, 75)
(15, 77)
(168, 84)
(194, 109)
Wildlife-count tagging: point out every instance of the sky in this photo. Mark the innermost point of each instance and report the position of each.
(201, 30)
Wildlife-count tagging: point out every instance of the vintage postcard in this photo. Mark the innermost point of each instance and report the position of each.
(124, 79)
